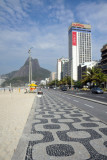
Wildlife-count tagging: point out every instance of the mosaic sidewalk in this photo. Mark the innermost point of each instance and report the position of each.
(57, 130)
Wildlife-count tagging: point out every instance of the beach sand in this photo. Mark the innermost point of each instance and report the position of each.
(14, 110)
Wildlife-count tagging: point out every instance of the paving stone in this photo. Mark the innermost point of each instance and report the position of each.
(58, 130)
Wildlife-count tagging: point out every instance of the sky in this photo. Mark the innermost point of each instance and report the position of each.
(43, 26)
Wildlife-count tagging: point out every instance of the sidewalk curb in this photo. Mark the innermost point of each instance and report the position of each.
(87, 99)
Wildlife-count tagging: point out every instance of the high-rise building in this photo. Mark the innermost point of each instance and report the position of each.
(60, 67)
(104, 59)
(79, 47)
(52, 76)
(83, 68)
(65, 68)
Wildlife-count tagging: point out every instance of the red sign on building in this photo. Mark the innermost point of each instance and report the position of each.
(78, 25)
(74, 38)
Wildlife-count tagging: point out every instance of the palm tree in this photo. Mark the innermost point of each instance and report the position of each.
(88, 75)
(66, 80)
(95, 76)
(78, 84)
(99, 77)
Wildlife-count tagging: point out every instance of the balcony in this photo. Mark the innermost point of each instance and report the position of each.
(104, 67)
(104, 48)
(105, 54)
(105, 59)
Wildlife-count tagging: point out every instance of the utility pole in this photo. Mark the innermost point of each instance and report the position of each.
(55, 76)
(55, 81)
(30, 66)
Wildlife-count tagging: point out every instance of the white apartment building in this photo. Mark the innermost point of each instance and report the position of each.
(82, 68)
(52, 76)
(60, 67)
(44, 82)
(90, 64)
(79, 47)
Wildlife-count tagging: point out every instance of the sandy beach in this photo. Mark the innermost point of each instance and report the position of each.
(14, 111)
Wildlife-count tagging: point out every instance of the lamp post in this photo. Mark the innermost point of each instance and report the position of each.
(70, 66)
(55, 77)
(71, 73)
(30, 66)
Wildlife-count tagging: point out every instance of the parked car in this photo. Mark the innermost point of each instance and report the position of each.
(64, 88)
(97, 90)
(40, 92)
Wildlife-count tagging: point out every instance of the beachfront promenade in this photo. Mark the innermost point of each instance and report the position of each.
(58, 130)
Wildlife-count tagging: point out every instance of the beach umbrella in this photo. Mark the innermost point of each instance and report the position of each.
(32, 85)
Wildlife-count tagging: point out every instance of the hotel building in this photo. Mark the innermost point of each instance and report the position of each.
(79, 37)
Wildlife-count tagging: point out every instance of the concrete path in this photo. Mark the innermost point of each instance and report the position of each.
(57, 130)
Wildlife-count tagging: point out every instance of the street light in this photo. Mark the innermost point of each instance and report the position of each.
(71, 73)
(30, 66)
(55, 77)
(70, 68)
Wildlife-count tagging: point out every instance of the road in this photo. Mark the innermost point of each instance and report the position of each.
(58, 129)
(88, 94)
(94, 108)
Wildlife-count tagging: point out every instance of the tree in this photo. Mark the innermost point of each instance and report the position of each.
(88, 76)
(99, 77)
(78, 84)
(53, 83)
(95, 76)
(65, 81)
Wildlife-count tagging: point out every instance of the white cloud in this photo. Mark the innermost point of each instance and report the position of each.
(94, 14)
(46, 42)
(59, 13)
(19, 32)
(26, 3)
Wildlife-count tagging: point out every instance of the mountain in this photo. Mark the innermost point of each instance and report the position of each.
(21, 76)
